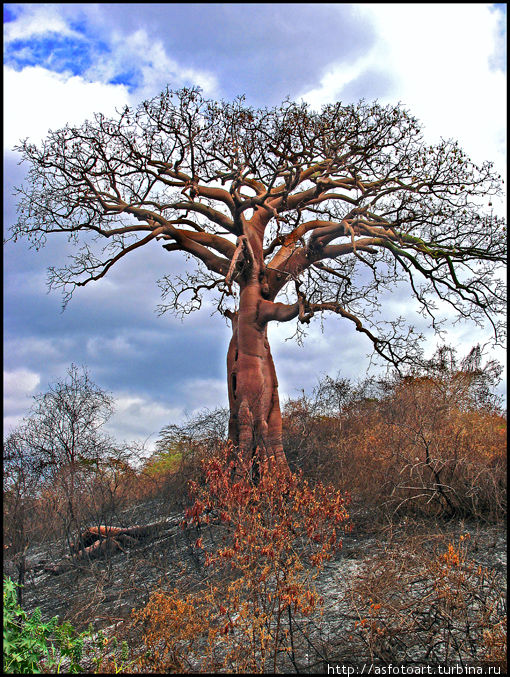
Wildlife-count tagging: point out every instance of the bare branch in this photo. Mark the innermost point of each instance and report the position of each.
(350, 194)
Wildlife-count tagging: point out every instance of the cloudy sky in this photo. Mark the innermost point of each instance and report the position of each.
(62, 62)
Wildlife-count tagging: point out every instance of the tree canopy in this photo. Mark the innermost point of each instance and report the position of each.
(337, 206)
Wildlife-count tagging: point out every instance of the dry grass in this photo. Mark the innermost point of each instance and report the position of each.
(417, 451)
(424, 602)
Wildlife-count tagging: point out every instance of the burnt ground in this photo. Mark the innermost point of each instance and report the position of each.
(387, 562)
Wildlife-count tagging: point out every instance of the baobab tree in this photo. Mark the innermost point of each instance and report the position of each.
(321, 210)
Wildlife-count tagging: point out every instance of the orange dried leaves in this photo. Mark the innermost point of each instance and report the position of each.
(276, 535)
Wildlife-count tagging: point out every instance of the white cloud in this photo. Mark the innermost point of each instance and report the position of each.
(37, 348)
(204, 393)
(300, 367)
(447, 75)
(140, 419)
(20, 381)
(98, 346)
(441, 58)
(36, 100)
(333, 81)
(59, 97)
(141, 53)
(19, 386)
(35, 21)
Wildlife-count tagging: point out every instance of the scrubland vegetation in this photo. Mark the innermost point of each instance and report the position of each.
(381, 546)
(364, 527)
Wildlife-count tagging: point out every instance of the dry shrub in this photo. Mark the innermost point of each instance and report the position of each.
(103, 488)
(411, 605)
(62, 471)
(179, 456)
(270, 541)
(432, 444)
(413, 454)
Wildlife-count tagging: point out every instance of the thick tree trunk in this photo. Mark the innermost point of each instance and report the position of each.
(255, 416)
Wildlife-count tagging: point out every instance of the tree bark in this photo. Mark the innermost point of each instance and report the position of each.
(255, 417)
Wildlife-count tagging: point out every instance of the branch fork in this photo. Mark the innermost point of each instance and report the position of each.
(243, 252)
(304, 313)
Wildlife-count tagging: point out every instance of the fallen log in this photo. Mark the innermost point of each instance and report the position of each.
(92, 534)
(97, 541)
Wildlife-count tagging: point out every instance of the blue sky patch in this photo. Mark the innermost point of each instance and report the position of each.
(56, 53)
(79, 26)
(10, 13)
(129, 78)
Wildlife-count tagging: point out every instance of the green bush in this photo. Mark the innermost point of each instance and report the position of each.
(163, 462)
(32, 647)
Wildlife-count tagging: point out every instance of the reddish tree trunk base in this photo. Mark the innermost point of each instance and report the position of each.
(255, 418)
